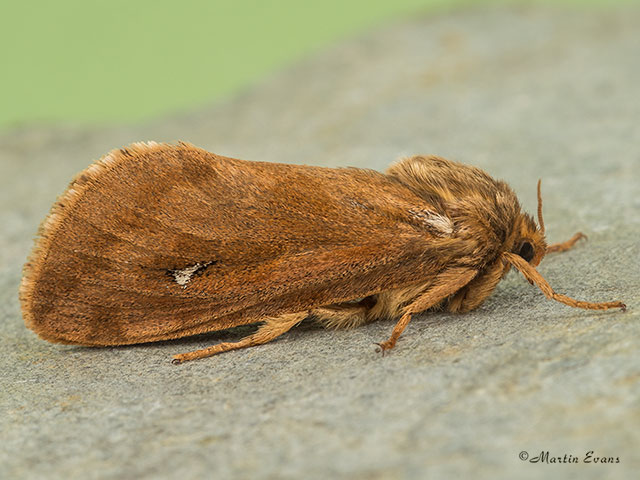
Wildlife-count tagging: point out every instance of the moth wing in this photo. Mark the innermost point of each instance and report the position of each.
(158, 241)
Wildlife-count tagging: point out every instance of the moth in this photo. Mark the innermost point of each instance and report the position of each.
(157, 241)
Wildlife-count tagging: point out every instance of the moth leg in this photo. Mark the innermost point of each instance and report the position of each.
(477, 290)
(269, 330)
(563, 246)
(445, 284)
(534, 277)
(344, 315)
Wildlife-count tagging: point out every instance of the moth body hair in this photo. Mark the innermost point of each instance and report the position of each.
(439, 224)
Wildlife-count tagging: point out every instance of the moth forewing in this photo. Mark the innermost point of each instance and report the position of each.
(158, 241)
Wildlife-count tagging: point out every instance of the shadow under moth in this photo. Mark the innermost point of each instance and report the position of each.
(158, 241)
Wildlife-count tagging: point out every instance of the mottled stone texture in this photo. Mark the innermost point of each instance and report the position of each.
(522, 92)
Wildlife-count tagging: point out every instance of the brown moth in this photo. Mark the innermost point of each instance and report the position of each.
(158, 241)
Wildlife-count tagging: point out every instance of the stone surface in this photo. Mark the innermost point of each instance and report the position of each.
(522, 92)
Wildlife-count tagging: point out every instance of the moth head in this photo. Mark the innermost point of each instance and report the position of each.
(530, 243)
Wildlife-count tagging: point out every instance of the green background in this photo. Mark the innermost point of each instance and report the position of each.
(73, 61)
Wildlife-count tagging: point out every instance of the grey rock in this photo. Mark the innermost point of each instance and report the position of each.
(521, 92)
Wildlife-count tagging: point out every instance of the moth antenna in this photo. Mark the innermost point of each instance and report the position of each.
(540, 219)
(531, 274)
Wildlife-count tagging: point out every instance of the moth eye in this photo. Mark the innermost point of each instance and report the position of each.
(526, 251)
